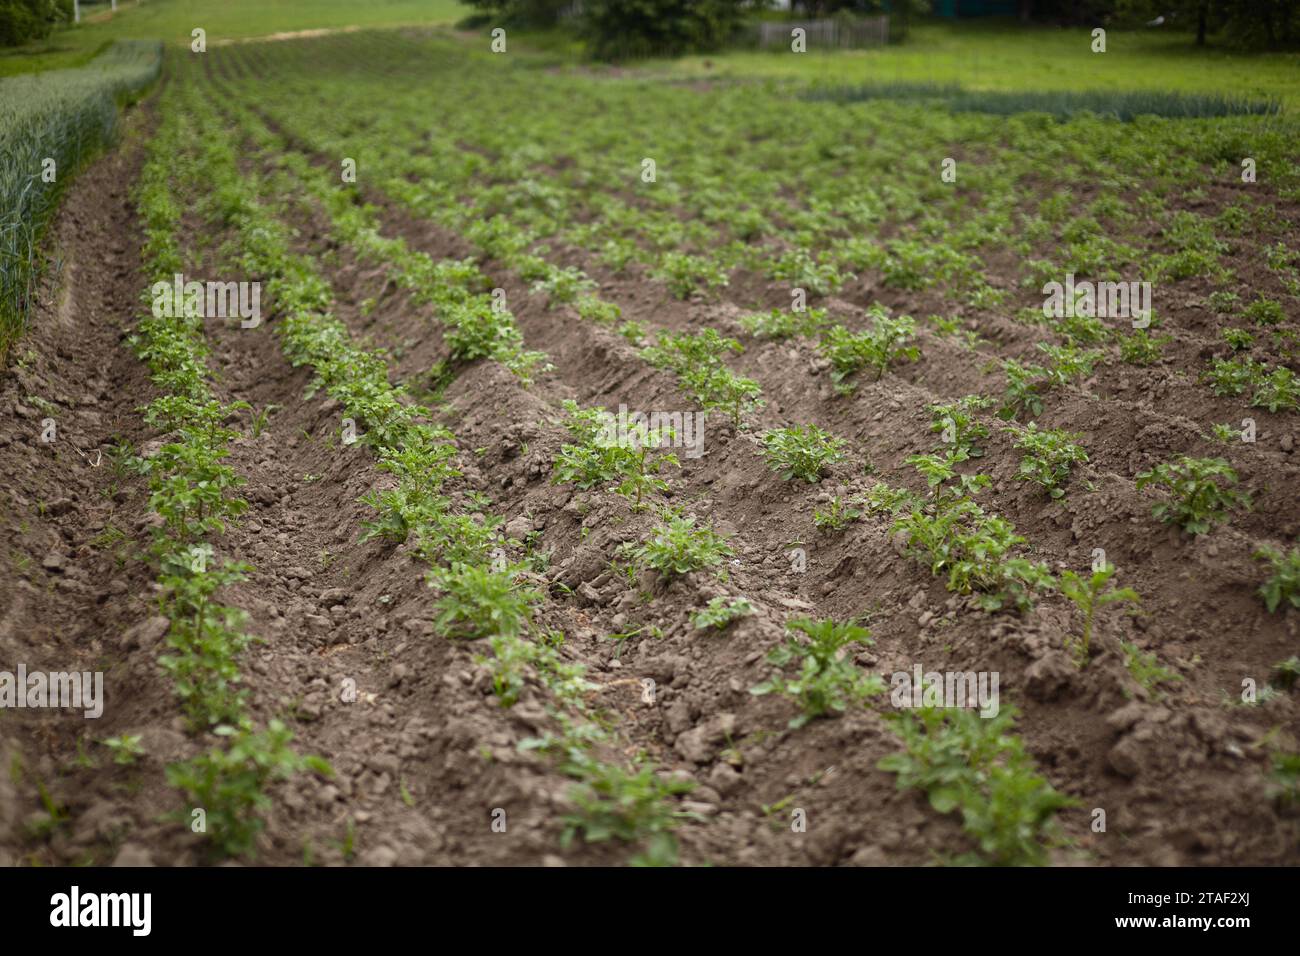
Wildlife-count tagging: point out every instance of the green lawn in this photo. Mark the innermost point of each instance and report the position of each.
(980, 55)
(172, 21)
(1002, 55)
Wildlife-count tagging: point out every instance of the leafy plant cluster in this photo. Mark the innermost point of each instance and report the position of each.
(626, 800)
(889, 341)
(977, 766)
(827, 681)
(1282, 587)
(958, 425)
(977, 551)
(1276, 389)
(1049, 454)
(677, 545)
(784, 324)
(721, 613)
(598, 455)
(836, 516)
(1027, 384)
(1089, 595)
(697, 361)
(801, 451)
(1200, 492)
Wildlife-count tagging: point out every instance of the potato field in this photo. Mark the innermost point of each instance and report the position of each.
(444, 456)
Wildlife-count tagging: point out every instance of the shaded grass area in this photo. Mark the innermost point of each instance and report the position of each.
(1123, 105)
(173, 20)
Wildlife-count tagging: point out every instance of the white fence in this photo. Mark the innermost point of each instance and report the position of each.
(825, 34)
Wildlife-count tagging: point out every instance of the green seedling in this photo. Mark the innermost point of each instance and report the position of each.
(478, 601)
(1049, 453)
(957, 425)
(125, 748)
(978, 766)
(1286, 673)
(721, 613)
(827, 680)
(678, 546)
(938, 471)
(229, 783)
(1140, 347)
(976, 551)
(697, 361)
(836, 516)
(1282, 587)
(1146, 670)
(780, 324)
(890, 340)
(1089, 595)
(1238, 339)
(1284, 779)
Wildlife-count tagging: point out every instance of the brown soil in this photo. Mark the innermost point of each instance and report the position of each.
(425, 754)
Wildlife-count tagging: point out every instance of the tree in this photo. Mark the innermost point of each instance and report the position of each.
(23, 20)
(1253, 23)
(1260, 23)
(617, 29)
(821, 8)
(524, 13)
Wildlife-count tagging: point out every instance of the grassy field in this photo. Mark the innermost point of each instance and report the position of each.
(1004, 56)
(989, 55)
(172, 20)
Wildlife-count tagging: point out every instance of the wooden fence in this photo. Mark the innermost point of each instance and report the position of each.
(825, 34)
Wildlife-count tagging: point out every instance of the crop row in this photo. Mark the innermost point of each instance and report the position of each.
(698, 361)
(481, 594)
(552, 203)
(194, 494)
(50, 125)
(676, 544)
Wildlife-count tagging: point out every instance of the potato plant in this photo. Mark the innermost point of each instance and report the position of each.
(1200, 490)
(1049, 455)
(1089, 595)
(1282, 587)
(979, 768)
(678, 546)
(801, 451)
(827, 681)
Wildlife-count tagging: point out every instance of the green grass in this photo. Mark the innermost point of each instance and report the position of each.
(172, 20)
(999, 55)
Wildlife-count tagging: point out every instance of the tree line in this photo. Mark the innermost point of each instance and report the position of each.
(617, 28)
(23, 20)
